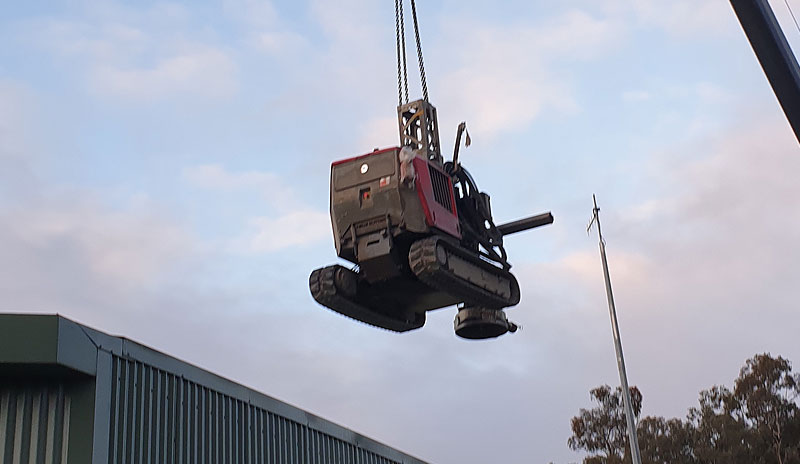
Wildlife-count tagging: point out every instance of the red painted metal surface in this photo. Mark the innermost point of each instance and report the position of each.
(436, 214)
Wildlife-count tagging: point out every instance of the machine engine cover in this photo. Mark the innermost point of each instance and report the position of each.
(368, 198)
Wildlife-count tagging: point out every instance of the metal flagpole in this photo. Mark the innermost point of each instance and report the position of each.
(612, 310)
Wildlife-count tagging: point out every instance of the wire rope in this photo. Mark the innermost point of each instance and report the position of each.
(419, 51)
(792, 13)
(400, 27)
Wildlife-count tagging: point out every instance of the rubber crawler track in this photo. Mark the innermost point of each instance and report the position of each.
(424, 263)
(324, 289)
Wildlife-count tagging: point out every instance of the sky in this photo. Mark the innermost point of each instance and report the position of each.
(164, 175)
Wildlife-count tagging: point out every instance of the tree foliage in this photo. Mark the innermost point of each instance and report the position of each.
(718, 437)
(764, 400)
(665, 441)
(756, 422)
(603, 430)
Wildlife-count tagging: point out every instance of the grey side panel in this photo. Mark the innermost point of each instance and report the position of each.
(75, 348)
(102, 408)
(157, 416)
(34, 424)
(46, 340)
(27, 339)
(364, 170)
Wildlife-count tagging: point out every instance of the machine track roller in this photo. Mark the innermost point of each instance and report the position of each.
(336, 287)
(447, 267)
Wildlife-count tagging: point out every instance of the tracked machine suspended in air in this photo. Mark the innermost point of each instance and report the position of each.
(419, 232)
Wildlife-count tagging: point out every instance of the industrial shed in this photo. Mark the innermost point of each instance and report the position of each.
(72, 394)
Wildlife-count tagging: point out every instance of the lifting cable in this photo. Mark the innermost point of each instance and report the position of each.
(792, 13)
(419, 51)
(402, 73)
(402, 76)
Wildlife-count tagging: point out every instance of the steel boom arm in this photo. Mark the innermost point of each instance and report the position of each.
(773, 52)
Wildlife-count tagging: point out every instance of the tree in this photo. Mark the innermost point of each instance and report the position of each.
(764, 398)
(602, 431)
(665, 441)
(758, 422)
(718, 437)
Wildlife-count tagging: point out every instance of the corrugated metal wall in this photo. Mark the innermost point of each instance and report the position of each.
(34, 424)
(158, 417)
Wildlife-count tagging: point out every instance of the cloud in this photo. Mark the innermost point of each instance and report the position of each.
(139, 56)
(63, 249)
(636, 96)
(214, 176)
(279, 42)
(348, 21)
(264, 29)
(679, 18)
(104, 41)
(208, 72)
(291, 223)
(260, 13)
(128, 247)
(711, 93)
(575, 33)
(379, 132)
(503, 77)
(16, 104)
(296, 228)
(20, 142)
(271, 189)
(684, 17)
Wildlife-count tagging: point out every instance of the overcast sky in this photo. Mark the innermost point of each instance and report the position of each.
(164, 176)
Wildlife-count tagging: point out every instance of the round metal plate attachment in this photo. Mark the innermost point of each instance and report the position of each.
(481, 323)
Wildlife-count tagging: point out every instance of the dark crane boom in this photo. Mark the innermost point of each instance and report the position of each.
(774, 54)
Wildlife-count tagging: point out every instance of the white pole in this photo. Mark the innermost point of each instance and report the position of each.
(612, 310)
